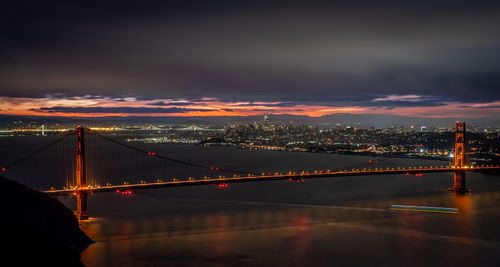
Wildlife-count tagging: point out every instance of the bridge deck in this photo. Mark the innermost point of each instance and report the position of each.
(272, 177)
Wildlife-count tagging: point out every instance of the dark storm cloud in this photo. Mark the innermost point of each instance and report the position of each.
(266, 110)
(404, 104)
(118, 110)
(292, 52)
(485, 107)
(267, 104)
(163, 103)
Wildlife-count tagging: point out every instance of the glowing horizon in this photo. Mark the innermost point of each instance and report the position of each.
(95, 106)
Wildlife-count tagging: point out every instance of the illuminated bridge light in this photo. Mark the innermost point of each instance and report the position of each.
(221, 185)
(126, 192)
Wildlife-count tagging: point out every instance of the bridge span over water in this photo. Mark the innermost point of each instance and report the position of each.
(268, 177)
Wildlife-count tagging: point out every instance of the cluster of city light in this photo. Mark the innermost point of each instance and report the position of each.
(59, 130)
(103, 129)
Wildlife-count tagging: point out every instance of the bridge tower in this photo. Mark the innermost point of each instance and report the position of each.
(81, 175)
(459, 159)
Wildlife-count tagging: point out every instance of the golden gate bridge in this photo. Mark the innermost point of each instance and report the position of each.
(103, 164)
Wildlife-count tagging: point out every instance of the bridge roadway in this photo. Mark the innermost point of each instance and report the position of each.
(271, 177)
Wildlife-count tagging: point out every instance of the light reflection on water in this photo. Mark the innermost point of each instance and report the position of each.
(297, 235)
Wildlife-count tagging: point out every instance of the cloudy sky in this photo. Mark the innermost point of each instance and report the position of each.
(210, 58)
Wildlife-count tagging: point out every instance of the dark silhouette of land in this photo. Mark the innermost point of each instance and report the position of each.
(37, 229)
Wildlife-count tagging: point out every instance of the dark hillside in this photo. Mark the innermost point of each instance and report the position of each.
(37, 229)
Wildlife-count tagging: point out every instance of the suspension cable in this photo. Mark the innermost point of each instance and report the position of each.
(41, 149)
(163, 157)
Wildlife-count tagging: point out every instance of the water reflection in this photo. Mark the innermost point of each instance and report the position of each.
(301, 239)
(300, 216)
(220, 238)
(247, 236)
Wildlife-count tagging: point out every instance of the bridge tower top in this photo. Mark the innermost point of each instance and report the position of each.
(459, 160)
